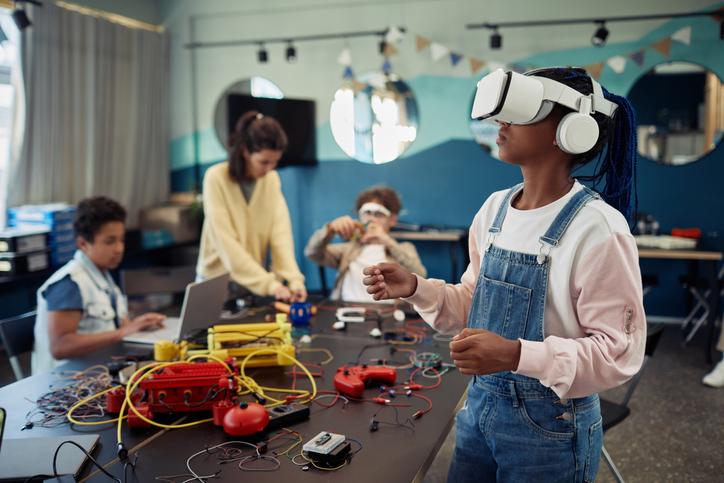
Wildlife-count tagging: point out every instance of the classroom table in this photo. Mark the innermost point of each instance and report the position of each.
(454, 238)
(708, 262)
(389, 454)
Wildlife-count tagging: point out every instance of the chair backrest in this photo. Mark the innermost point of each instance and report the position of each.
(16, 334)
(17, 337)
(653, 336)
(157, 280)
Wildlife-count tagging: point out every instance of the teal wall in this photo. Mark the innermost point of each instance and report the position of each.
(445, 177)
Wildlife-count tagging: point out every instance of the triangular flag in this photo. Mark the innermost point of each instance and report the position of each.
(348, 73)
(476, 64)
(663, 46)
(595, 69)
(617, 63)
(638, 57)
(389, 50)
(455, 58)
(421, 42)
(345, 57)
(393, 35)
(683, 35)
(438, 51)
(358, 86)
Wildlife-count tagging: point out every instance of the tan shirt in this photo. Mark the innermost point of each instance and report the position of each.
(237, 235)
(340, 255)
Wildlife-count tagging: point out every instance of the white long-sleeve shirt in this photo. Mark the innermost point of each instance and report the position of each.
(594, 325)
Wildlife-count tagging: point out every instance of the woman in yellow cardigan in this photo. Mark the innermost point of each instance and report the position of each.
(246, 216)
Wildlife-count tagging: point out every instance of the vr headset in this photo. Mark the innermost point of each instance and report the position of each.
(514, 98)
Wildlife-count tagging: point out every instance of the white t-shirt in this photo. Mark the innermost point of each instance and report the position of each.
(521, 231)
(351, 289)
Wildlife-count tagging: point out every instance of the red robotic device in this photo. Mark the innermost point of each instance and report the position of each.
(352, 380)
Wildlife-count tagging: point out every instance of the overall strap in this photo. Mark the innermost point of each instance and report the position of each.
(559, 226)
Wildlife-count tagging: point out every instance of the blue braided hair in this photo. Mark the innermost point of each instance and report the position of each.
(615, 150)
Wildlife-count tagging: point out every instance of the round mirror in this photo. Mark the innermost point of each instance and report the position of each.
(254, 86)
(680, 112)
(374, 119)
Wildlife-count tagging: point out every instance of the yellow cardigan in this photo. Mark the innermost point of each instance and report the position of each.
(237, 235)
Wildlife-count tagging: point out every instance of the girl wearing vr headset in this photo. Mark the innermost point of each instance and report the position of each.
(550, 310)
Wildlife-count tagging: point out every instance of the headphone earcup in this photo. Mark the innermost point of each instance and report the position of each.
(577, 133)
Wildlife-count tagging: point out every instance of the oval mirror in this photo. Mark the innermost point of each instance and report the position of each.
(374, 119)
(254, 86)
(680, 112)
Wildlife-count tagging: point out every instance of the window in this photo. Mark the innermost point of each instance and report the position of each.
(8, 61)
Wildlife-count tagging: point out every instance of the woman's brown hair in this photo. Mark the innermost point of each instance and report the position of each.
(253, 132)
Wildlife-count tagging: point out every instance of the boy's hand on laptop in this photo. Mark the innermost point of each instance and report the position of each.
(148, 321)
(345, 227)
(389, 281)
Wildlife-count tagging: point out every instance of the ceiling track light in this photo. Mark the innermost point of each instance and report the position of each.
(20, 16)
(262, 55)
(600, 35)
(291, 53)
(496, 40)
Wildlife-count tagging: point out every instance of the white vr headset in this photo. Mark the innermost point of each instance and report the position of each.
(514, 98)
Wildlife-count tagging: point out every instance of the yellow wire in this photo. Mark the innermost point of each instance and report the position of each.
(329, 358)
(69, 414)
(242, 367)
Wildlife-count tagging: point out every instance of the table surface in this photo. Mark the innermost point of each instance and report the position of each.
(679, 254)
(442, 235)
(389, 454)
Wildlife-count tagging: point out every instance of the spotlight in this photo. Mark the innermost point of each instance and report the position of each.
(496, 40)
(600, 36)
(262, 55)
(21, 19)
(291, 53)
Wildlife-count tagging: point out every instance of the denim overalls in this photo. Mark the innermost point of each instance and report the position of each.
(512, 428)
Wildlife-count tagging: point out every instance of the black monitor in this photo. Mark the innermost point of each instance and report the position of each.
(296, 116)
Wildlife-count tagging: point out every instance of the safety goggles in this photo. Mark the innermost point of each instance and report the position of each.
(373, 210)
(514, 98)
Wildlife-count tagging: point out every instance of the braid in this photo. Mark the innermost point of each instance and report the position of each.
(615, 151)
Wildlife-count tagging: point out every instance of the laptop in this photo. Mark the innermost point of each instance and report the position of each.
(22, 458)
(202, 305)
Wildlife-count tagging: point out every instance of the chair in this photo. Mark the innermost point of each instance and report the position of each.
(614, 413)
(16, 335)
(700, 290)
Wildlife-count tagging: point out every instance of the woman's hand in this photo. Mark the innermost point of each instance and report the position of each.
(148, 321)
(282, 293)
(478, 351)
(389, 281)
(345, 227)
(299, 295)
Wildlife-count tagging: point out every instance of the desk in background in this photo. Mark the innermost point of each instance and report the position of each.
(707, 261)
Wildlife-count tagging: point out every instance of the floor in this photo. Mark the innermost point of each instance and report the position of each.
(675, 432)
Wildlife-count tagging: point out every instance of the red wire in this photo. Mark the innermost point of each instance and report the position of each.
(419, 369)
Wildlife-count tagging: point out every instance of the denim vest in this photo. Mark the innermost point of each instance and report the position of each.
(96, 289)
(512, 428)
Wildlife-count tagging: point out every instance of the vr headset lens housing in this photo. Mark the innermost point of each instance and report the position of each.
(510, 97)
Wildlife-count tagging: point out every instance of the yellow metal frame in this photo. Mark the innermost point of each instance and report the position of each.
(238, 341)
